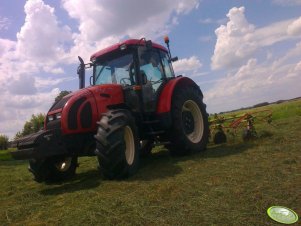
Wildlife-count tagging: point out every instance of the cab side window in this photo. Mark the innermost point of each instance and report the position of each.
(166, 65)
(150, 65)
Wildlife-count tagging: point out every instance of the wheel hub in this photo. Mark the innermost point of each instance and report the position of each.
(188, 122)
(64, 164)
(192, 120)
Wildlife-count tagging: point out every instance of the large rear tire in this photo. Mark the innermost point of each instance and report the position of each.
(117, 145)
(52, 169)
(190, 129)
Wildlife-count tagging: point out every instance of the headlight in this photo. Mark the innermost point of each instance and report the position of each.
(54, 116)
(58, 116)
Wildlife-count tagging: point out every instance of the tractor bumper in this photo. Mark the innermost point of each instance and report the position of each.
(39, 145)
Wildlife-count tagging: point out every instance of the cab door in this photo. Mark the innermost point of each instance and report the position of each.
(151, 73)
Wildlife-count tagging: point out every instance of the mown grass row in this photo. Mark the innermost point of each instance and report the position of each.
(229, 184)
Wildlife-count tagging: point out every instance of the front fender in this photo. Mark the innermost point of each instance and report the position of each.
(80, 113)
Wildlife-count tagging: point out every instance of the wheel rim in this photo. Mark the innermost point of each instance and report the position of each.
(198, 125)
(130, 145)
(64, 164)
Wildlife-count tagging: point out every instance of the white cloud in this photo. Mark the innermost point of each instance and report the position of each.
(46, 82)
(239, 40)
(253, 83)
(6, 45)
(53, 70)
(23, 85)
(110, 21)
(40, 43)
(207, 21)
(287, 2)
(298, 68)
(295, 28)
(259, 81)
(32, 101)
(4, 23)
(187, 65)
(19, 109)
(41, 38)
(229, 48)
(207, 38)
(185, 6)
(269, 35)
(290, 56)
(39, 46)
(212, 21)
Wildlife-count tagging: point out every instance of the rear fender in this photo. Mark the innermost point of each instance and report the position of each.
(165, 98)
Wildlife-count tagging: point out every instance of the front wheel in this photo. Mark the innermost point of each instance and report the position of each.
(53, 169)
(117, 145)
(146, 147)
(190, 129)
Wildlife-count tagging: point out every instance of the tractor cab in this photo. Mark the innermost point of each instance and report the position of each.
(132, 62)
(139, 66)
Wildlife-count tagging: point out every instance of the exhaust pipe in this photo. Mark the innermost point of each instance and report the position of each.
(81, 73)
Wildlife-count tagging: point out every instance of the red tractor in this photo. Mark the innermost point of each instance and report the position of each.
(134, 102)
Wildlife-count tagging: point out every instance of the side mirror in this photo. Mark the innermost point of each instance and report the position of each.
(174, 59)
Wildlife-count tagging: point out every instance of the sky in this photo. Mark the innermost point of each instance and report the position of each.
(239, 52)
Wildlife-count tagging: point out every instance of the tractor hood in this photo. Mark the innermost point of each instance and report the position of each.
(79, 111)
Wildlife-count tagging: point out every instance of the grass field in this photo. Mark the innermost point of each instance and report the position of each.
(229, 184)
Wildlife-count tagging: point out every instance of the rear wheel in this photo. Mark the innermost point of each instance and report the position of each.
(53, 169)
(117, 145)
(190, 130)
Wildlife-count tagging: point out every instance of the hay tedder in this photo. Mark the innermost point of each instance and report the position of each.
(232, 124)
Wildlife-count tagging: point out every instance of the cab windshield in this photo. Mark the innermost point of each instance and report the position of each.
(117, 70)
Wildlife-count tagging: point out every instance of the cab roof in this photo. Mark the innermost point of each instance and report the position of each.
(128, 42)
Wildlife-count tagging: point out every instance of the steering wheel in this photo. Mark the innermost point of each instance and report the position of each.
(124, 81)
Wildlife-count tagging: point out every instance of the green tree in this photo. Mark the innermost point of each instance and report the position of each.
(18, 135)
(37, 121)
(61, 95)
(3, 142)
(32, 126)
